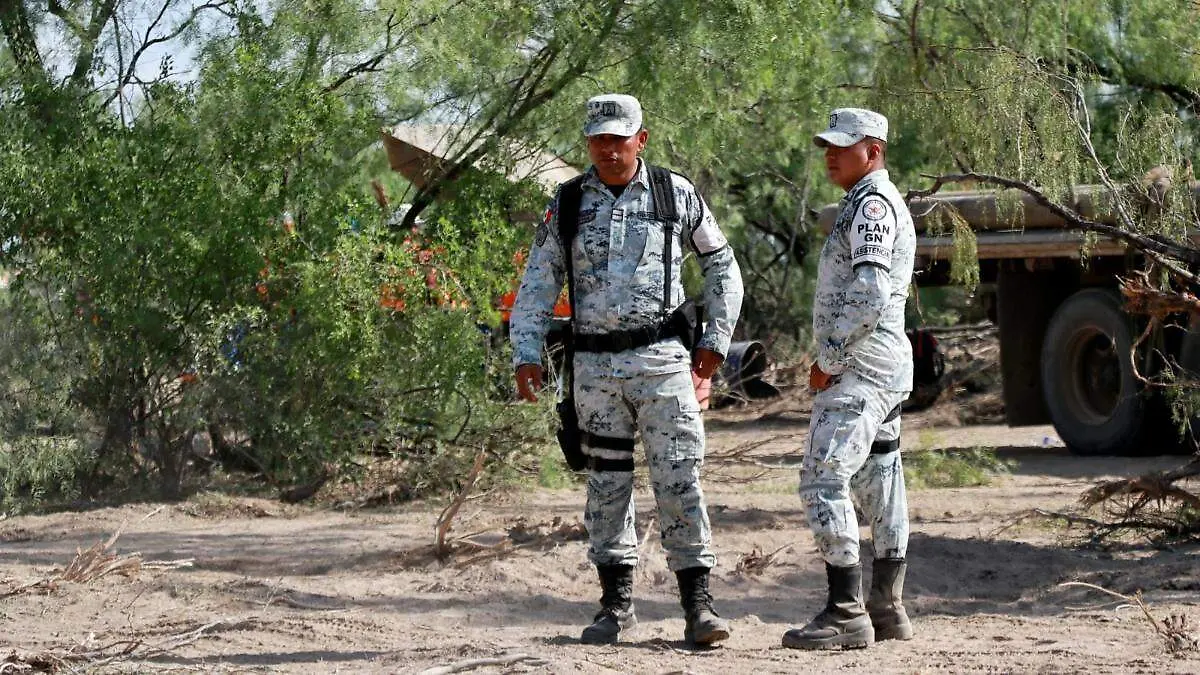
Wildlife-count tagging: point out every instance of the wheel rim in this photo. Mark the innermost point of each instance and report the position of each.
(1093, 376)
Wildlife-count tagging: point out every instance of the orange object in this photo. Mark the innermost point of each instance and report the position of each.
(562, 308)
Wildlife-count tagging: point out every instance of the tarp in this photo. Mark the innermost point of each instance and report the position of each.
(417, 152)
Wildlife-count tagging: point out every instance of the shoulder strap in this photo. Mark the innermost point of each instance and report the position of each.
(570, 195)
(663, 196)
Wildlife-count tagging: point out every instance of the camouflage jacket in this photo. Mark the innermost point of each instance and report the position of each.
(862, 285)
(619, 275)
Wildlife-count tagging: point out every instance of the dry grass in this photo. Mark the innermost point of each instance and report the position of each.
(98, 561)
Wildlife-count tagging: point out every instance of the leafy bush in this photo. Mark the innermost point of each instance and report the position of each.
(958, 468)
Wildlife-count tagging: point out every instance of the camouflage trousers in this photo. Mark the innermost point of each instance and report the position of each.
(839, 469)
(664, 411)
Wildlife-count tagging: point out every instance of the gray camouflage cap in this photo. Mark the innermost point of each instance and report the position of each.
(848, 126)
(617, 114)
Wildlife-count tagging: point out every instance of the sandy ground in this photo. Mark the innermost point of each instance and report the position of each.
(293, 589)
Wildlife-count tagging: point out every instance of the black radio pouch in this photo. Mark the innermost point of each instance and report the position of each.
(570, 437)
(687, 322)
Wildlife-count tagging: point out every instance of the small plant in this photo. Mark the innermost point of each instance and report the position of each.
(959, 468)
(553, 472)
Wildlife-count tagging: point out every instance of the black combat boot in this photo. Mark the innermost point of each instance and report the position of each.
(844, 623)
(704, 626)
(884, 603)
(616, 606)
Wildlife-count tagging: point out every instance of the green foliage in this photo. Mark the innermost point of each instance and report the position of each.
(553, 471)
(200, 255)
(950, 469)
(39, 469)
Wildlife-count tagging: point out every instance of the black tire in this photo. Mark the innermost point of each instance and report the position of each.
(1095, 402)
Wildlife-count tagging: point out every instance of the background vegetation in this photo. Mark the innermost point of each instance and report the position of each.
(199, 278)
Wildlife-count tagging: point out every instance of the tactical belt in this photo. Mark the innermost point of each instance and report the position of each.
(621, 340)
(609, 443)
(884, 447)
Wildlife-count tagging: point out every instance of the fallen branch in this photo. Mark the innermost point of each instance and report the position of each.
(506, 660)
(87, 654)
(755, 563)
(97, 561)
(646, 535)
(742, 453)
(446, 518)
(1142, 298)
(715, 476)
(1100, 528)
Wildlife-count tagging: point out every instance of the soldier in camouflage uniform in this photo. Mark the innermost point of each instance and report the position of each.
(620, 276)
(862, 373)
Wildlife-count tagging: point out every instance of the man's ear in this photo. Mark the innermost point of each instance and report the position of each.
(875, 151)
(642, 137)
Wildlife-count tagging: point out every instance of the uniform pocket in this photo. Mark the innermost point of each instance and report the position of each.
(836, 438)
(655, 231)
(685, 432)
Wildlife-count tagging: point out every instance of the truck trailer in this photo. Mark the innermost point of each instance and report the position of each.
(1066, 340)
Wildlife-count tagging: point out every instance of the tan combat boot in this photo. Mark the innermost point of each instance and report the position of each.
(844, 623)
(884, 604)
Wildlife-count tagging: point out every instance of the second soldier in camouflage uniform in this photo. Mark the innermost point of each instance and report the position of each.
(622, 390)
(862, 373)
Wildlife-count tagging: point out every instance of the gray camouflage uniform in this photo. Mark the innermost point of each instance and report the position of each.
(858, 320)
(619, 274)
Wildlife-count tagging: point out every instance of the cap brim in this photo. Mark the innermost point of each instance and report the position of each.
(613, 127)
(838, 138)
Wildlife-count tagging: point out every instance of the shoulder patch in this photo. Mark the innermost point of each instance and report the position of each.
(874, 209)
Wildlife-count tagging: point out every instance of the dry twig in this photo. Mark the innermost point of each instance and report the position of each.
(755, 563)
(505, 660)
(442, 548)
(88, 653)
(1173, 629)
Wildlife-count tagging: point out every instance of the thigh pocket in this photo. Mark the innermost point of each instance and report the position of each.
(684, 431)
(836, 428)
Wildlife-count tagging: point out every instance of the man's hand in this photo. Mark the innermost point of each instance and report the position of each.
(529, 380)
(705, 363)
(818, 380)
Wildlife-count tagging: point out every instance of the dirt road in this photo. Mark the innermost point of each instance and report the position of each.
(287, 589)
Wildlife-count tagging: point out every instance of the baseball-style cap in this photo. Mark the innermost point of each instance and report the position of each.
(617, 114)
(848, 126)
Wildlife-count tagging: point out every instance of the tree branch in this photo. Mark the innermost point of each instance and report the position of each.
(525, 99)
(390, 46)
(14, 20)
(88, 39)
(148, 41)
(1146, 244)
